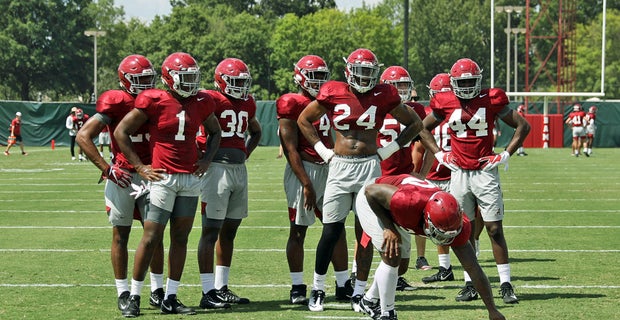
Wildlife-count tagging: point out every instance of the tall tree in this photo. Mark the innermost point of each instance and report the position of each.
(42, 46)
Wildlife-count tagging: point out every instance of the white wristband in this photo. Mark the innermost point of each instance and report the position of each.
(325, 153)
(387, 151)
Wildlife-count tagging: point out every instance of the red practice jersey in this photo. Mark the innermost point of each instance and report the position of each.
(16, 126)
(408, 202)
(361, 111)
(401, 161)
(290, 106)
(442, 138)
(79, 123)
(173, 125)
(577, 118)
(233, 116)
(471, 123)
(114, 105)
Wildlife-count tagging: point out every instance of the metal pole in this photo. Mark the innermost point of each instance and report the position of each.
(492, 43)
(95, 34)
(515, 59)
(508, 9)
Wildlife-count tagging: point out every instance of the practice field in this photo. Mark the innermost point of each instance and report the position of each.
(562, 226)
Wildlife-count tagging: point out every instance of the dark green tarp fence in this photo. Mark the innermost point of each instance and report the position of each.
(44, 122)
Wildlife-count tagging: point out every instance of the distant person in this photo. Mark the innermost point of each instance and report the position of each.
(74, 122)
(590, 131)
(576, 121)
(16, 135)
(104, 141)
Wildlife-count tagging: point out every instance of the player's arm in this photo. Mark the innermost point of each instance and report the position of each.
(379, 197)
(313, 112)
(127, 127)
(412, 122)
(467, 258)
(289, 140)
(84, 139)
(522, 129)
(255, 135)
(214, 136)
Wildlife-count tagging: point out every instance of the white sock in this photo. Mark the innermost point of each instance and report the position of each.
(444, 260)
(221, 276)
(341, 277)
(122, 285)
(373, 292)
(297, 278)
(360, 287)
(504, 272)
(354, 266)
(157, 281)
(387, 277)
(136, 287)
(318, 282)
(207, 282)
(172, 287)
(466, 276)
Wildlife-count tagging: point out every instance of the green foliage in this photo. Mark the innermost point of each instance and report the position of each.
(43, 47)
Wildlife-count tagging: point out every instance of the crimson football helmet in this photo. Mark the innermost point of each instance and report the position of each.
(181, 74)
(136, 73)
(439, 83)
(592, 109)
(310, 73)
(443, 218)
(400, 78)
(577, 107)
(466, 78)
(232, 77)
(362, 70)
(521, 109)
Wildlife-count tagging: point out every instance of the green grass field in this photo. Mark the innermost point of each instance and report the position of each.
(562, 226)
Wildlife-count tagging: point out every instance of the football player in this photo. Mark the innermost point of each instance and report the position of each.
(576, 119)
(135, 73)
(402, 161)
(471, 112)
(395, 206)
(437, 174)
(173, 118)
(224, 188)
(356, 109)
(15, 136)
(590, 130)
(305, 175)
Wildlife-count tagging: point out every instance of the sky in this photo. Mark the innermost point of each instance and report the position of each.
(147, 9)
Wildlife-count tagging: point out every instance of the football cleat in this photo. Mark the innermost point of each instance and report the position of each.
(210, 300)
(133, 307)
(508, 293)
(172, 305)
(468, 293)
(389, 315)
(156, 297)
(123, 300)
(442, 275)
(317, 298)
(422, 264)
(345, 292)
(226, 295)
(402, 285)
(298, 294)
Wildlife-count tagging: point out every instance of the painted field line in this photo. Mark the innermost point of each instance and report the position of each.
(307, 250)
(280, 227)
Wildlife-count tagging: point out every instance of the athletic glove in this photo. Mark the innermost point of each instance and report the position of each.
(446, 159)
(117, 175)
(492, 162)
(139, 190)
